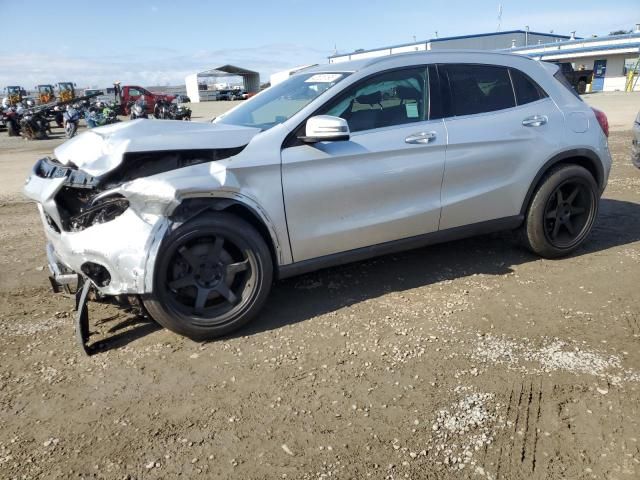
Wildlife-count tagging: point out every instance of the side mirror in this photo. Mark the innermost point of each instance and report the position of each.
(325, 128)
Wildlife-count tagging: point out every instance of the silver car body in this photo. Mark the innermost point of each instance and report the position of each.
(321, 202)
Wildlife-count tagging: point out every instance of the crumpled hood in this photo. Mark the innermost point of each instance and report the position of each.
(100, 150)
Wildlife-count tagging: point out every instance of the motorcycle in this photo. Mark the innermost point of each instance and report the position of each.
(97, 116)
(161, 110)
(34, 125)
(171, 111)
(71, 120)
(180, 112)
(11, 118)
(137, 110)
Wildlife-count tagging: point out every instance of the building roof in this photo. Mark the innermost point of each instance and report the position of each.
(444, 39)
(628, 43)
(226, 71)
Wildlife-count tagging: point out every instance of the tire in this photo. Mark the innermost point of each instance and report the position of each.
(562, 211)
(582, 87)
(219, 261)
(12, 130)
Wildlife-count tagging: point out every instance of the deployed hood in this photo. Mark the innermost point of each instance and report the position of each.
(102, 149)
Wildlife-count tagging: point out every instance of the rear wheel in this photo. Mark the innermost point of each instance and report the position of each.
(562, 211)
(212, 275)
(582, 86)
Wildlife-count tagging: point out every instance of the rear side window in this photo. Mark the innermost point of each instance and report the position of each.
(479, 88)
(527, 90)
(565, 83)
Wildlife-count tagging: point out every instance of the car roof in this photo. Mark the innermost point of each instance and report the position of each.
(445, 56)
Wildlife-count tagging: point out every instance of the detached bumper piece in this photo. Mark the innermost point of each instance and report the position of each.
(82, 318)
(89, 292)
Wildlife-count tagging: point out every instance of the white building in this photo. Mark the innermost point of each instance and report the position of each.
(480, 41)
(612, 58)
(199, 91)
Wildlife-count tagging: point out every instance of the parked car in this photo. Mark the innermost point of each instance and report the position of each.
(226, 95)
(578, 79)
(635, 143)
(338, 163)
(239, 95)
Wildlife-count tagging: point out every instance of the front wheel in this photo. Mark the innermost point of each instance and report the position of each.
(212, 275)
(562, 211)
(70, 129)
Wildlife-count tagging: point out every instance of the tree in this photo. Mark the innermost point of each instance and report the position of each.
(620, 32)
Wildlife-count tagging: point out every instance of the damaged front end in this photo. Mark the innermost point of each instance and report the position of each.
(106, 200)
(98, 246)
(91, 228)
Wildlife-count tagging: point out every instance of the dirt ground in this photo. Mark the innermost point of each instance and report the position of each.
(472, 359)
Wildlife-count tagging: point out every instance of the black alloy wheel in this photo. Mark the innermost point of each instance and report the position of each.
(569, 212)
(212, 275)
(208, 277)
(562, 211)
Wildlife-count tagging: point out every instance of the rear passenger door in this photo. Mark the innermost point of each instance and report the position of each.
(501, 127)
(383, 184)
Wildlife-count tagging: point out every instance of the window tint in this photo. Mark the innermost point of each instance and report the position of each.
(392, 98)
(527, 90)
(479, 88)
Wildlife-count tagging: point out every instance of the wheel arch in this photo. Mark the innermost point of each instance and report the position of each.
(583, 157)
(193, 207)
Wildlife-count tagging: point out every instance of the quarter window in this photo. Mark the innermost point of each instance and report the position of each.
(479, 88)
(527, 90)
(391, 98)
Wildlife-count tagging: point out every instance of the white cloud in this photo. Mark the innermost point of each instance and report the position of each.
(149, 65)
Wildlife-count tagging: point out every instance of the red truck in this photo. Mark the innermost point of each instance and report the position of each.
(131, 93)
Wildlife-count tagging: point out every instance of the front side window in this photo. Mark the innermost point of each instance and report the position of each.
(388, 99)
(479, 88)
(134, 93)
(280, 102)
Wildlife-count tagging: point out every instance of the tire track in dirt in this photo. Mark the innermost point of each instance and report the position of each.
(516, 453)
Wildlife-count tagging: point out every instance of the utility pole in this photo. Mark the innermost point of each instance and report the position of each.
(499, 17)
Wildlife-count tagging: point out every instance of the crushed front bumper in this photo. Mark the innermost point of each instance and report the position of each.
(124, 247)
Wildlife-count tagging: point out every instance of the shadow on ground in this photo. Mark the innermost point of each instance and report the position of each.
(298, 299)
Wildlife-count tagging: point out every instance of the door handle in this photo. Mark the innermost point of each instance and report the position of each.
(535, 121)
(420, 137)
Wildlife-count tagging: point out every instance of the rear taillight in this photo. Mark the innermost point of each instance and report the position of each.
(602, 120)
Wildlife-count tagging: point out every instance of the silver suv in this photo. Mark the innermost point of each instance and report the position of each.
(336, 164)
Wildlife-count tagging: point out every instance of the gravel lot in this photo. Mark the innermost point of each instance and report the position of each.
(472, 359)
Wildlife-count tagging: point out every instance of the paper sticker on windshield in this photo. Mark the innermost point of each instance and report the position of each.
(324, 78)
(412, 110)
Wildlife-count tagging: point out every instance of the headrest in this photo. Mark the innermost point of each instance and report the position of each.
(370, 99)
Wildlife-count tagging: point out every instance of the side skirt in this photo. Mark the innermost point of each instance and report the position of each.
(432, 238)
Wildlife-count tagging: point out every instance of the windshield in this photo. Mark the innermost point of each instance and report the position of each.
(280, 102)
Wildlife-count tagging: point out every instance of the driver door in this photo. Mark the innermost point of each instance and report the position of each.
(381, 185)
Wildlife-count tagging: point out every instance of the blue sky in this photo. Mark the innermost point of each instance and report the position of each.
(159, 42)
